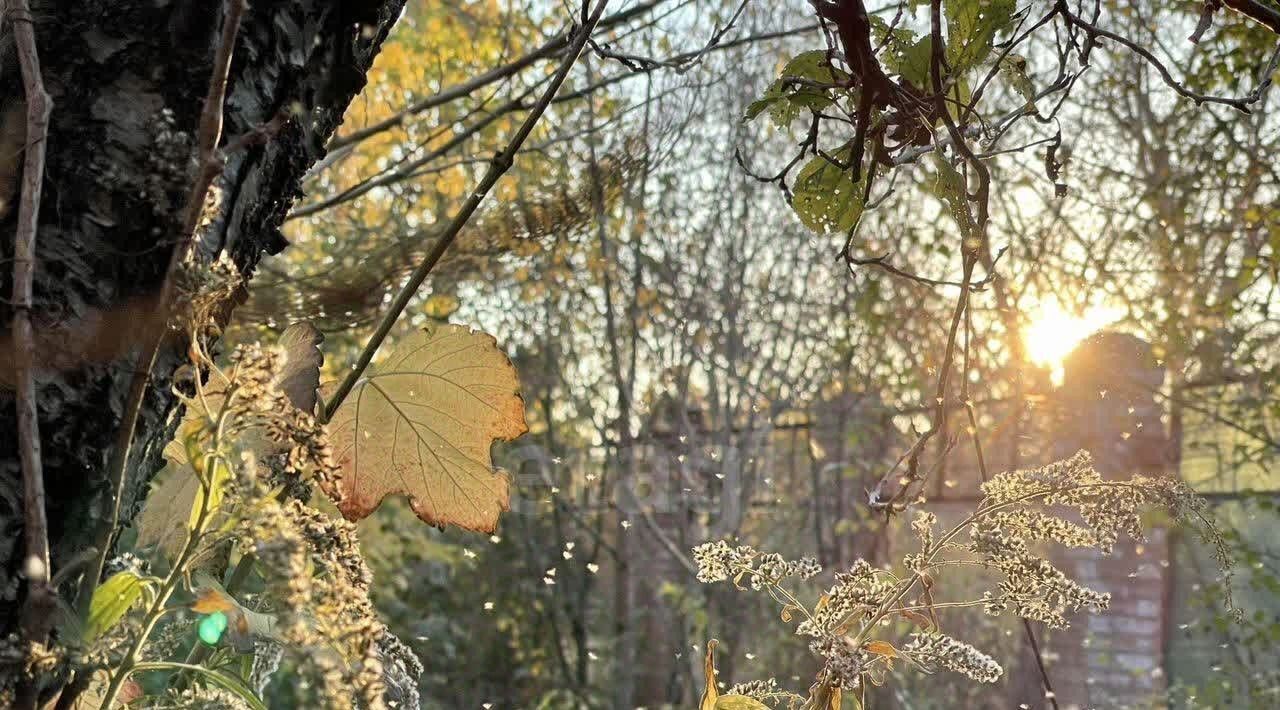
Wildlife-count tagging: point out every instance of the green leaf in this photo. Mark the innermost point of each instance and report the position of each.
(908, 57)
(112, 600)
(824, 196)
(971, 29)
(755, 108)
(785, 100)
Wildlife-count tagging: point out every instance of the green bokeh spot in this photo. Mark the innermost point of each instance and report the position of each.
(211, 627)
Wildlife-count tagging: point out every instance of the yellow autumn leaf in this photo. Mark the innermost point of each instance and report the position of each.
(881, 648)
(421, 424)
(440, 306)
(739, 702)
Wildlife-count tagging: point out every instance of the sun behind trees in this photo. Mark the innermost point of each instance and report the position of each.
(649, 354)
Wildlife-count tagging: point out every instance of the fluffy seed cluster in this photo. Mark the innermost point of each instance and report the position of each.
(1031, 586)
(126, 562)
(922, 525)
(1024, 506)
(202, 698)
(401, 672)
(1067, 502)
(207, 292)
(321, 584)
(856, 594)
(844, 663)
(934, 651)
(262, 419)
(758, 689)
(717, 561)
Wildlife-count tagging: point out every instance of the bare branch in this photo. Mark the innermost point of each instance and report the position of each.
(37, 613)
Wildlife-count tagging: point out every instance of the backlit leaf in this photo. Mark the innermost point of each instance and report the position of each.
(112, 600)
(824, 198)
(972, 27)
(786, 98)
(421, 424)
(881, 648)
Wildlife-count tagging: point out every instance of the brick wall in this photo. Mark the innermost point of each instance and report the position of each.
(1116, 659)
(1107, 406)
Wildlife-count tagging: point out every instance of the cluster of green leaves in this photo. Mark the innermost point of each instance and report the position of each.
(825, 197)
(808, 82)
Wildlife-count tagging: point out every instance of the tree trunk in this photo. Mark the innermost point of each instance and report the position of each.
(128, 80)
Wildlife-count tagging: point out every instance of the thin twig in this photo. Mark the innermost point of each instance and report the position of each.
(500, 164)
(37, 614)
(210, 165)
(547, 49)
(1242, 104)
(1049, 695)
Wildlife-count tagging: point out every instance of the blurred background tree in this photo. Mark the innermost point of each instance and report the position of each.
(696, 365)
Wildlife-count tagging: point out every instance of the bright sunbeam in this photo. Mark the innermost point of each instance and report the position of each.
(1054, 332)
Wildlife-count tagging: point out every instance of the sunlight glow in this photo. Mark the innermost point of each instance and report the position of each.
(1053, 332)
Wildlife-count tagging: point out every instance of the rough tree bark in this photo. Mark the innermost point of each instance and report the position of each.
(127, 80)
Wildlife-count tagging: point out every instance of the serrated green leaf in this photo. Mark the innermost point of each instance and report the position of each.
(971, 29)
(785, 100)
(112, 600)
(757, 107)
(910, 60)
(824, 196)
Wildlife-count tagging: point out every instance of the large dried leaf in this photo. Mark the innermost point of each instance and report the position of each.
(422, 424)
(171, 509)
(299, 376)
